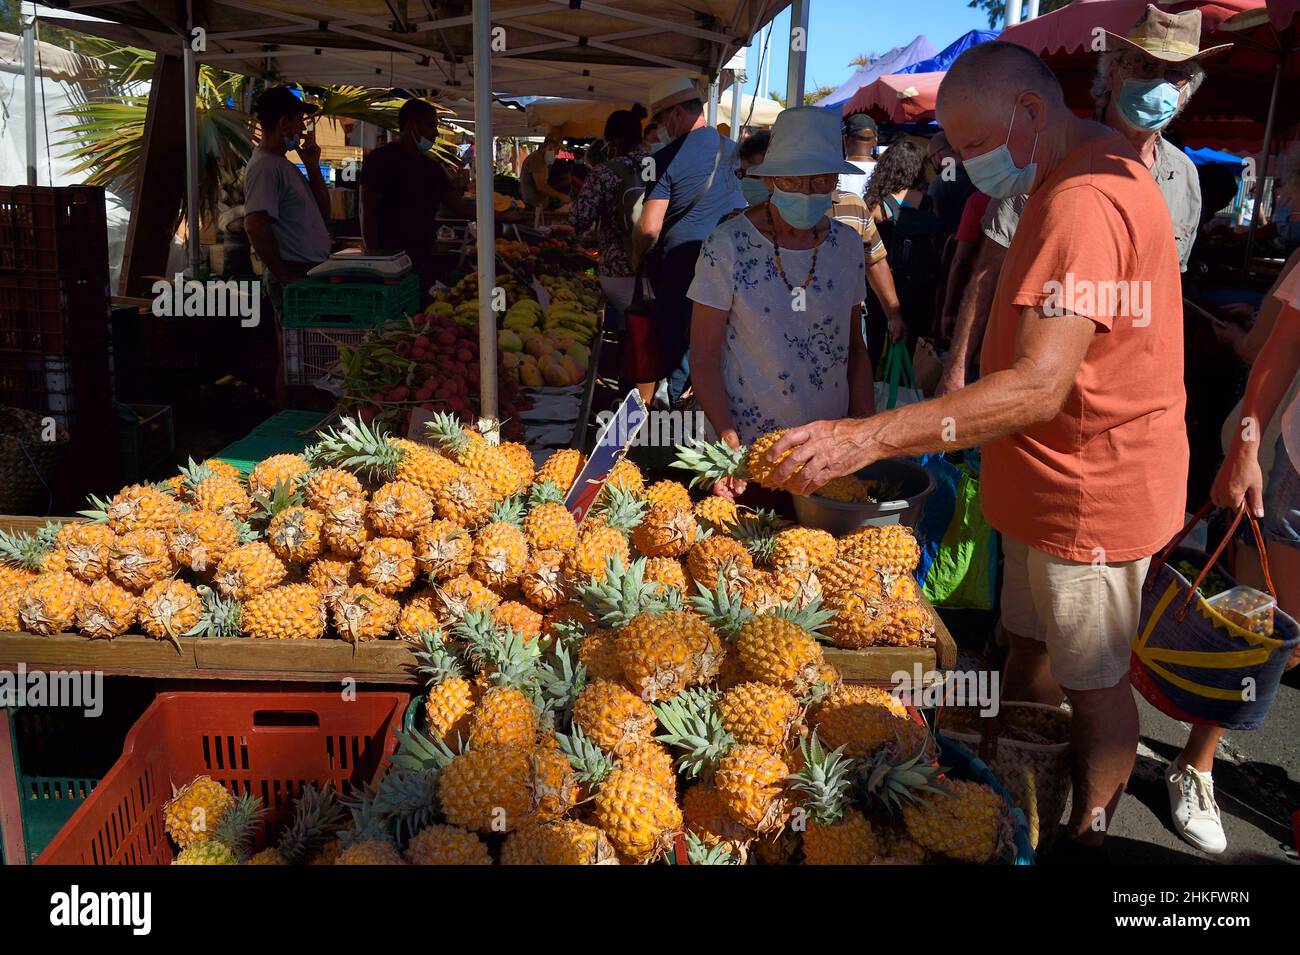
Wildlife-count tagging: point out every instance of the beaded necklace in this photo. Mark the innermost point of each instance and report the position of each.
(776, 252)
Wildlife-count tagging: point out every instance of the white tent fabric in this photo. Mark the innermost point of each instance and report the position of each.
(585, 119)
(58, 71)
(891, 62)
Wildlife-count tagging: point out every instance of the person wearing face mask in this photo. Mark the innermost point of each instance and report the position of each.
(1078, 414)
(285, 213)
(1143, 81)
(402, 189)
(750, 152)
(776, 322)
(694, 186)
(534, 176)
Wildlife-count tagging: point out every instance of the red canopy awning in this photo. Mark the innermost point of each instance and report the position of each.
(898, 98)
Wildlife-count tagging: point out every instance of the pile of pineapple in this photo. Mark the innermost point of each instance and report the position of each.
(365, 536)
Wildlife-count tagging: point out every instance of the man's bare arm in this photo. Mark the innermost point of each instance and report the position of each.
(649, 226)
(262, 236)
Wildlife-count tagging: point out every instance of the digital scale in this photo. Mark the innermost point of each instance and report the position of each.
(355, 264)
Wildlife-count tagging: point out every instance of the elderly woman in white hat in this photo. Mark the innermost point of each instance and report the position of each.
(776, 336)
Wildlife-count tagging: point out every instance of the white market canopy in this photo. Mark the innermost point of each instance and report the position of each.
(584, 119)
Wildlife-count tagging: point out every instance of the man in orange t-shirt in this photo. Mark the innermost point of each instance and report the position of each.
(1079, 410)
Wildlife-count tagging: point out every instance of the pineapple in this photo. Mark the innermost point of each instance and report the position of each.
(666, 573)
(316, 815)
(625, 476)
(287, 612)
(13, 583)
(140, 558)
(140, 507)
(670, 494)
(613, 717)
(218, 616)
(443, 550)
(712, 461)
(706, 816)
(399, 509)
(223, 495)
(719, 555)
(553, 783)
(50, 602)
(346, 530)
(211, 852)
(387, 564)
(835, 833)
(522, 459)
(891, 548)
(465, 500)
(364, 449)
(661, 653)
(107, 611)
(779, 648)
(603, 536)
(249, 570)
(288, 470)
(200, 539)
(500, 554)
(34, 551)
(486, 789)
(170, 609)
(759, 714)
(295, 535)
(715, 513)
(488, 462)
(542, 582)
(462, 595)
(599, 654)
(450, 698)
(861, 621)
(505, 715)
(861, 719)
(361, 613)
(850, 572)
(562, 842)
(370, 852)
(751, 785)
(802, 548)
(195, 811)
(417, 616)
(332, 574)
(550, 526)
(424, 467)
(520, 618)
(328, 487)
(561, 469)
(446, 845)
(652, 759)
(85, 548)
(665, 532)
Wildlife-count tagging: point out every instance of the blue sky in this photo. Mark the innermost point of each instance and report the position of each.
(838, 30)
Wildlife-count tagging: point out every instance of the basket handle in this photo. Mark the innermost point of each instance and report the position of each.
(1158, 562)
(1241, 512)
(285, 721)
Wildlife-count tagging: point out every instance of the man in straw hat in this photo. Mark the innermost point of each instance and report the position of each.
(1143, 81)
(694, 186)
(1079, 413)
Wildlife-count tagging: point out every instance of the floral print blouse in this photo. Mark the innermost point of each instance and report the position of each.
(785, 357)
(598, 205)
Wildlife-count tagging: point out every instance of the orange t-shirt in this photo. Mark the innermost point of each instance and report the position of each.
(1106, 478)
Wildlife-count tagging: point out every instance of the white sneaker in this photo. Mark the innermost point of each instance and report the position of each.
(1192, 805)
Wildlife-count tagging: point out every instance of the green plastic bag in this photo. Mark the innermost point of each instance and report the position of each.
(964, 571)
(895, 382)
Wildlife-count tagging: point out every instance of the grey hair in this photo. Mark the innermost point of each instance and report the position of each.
(1101, 92)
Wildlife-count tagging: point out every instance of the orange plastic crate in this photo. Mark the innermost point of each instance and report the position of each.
(268, 744)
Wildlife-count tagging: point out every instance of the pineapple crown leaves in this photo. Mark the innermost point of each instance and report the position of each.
(370, 821)
(239, 824)
(358, 447)
(620, 508)
(421, 753)
(447, 430)
(282, 497)
(98, 510)
(721, 608)
(409, 800)
(826, 779)
(694, 725)
(246, 533)
(545, 492)
(510, 511)
(316, 816)
(757, 531)
(698, 852)
(591, 764)
(569, 633)
(710, 461)
(512, 658)
(28, 548)
(892, 780)
(436, 661)
(219, 616)
(560, 681)
(623, 593)
(810, 616)
(193, 473)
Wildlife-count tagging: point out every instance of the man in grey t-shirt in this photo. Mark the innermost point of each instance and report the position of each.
(284, 213)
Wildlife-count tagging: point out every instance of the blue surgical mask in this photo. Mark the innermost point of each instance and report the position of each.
(1148, 104)
(995, 172)
(422, 144)
(753, 190)
(291, 142)
(802, 210)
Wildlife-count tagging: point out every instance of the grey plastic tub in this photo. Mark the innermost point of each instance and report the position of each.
(915, 484)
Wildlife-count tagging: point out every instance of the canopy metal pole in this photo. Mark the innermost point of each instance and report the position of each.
(735, 106)
(1258, 190)
(191, 80)
(1031, 11)
(713, 102)
(798, 46)
(485, 216)
(1013, 13)
(29, 90)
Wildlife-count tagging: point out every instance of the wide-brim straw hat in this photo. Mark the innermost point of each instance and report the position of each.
(1172, 37)
(671, 91)
(806, 141)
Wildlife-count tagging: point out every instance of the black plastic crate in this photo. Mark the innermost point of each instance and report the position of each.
(50, 229)
(53, 314)
(76, 390)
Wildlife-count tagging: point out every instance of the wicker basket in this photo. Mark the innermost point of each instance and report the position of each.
(27, 461)
(1028, 747)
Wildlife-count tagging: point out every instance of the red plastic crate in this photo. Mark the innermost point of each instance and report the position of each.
(44, 314)
(268, 744)
(53, 228)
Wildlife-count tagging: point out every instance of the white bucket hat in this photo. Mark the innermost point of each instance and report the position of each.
(671, 91)
(806, 141)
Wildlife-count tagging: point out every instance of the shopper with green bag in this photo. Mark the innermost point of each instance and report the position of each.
(895, 382)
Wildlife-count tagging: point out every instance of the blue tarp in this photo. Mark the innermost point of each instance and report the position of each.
(943, 59)
(1206, 157)
(892, 62)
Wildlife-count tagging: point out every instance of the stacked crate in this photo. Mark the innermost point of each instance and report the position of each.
(321, 316)
(55, 354)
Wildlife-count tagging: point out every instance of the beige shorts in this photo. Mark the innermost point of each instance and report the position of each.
(1086, 613)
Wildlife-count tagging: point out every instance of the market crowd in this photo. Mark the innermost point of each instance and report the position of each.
(761, 281)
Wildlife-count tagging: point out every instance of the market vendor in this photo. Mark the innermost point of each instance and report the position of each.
(776, 320)
(1079, 413)
(534, 176)
(285, 212)
(402, 188)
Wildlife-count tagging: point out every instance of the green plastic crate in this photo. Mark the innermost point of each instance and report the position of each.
(290, 422)
(318, 303)
(278, 434)
(49, 802)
